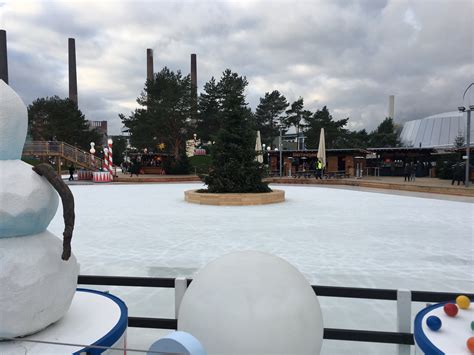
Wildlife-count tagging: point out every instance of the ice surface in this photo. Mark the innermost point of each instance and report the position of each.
(333, 236)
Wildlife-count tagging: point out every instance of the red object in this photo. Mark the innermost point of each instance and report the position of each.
(108, 165)
(470, 344)
(199, 151)
(450, 309)
(102, 176)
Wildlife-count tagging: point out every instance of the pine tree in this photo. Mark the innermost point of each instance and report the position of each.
(268, 114)
(385, 135)
(335, 133)
(459, 140)
(166, 114)
(294, 117)
(53, 118)
(234, 168)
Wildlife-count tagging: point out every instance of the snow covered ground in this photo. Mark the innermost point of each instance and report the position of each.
(333, 236)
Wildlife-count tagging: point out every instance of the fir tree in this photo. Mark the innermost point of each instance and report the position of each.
(209, 116)
(234, 168)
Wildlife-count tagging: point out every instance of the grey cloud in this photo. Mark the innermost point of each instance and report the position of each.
(349, 55)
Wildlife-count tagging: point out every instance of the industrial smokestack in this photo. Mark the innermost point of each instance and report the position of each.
(149, 64)
(3, 56)
(391, 106)
(194, 85)
(72, 70)
(193, 72)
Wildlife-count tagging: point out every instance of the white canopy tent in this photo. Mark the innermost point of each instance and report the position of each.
(322, 148)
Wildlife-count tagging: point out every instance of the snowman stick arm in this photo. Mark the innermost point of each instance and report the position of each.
(67, 199)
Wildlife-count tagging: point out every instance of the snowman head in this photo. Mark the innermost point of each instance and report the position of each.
(13, 123)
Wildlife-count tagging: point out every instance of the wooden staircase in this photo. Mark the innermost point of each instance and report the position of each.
(57, 152)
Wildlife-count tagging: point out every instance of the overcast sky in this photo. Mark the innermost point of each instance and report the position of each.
(348, 55)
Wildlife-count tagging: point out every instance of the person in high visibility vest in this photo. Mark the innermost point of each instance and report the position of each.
(319, 169)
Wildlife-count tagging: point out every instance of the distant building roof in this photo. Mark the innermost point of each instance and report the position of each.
(313, 151)
(435, 131)
(402, 149)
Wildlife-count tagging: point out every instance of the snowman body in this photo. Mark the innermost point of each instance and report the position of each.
(36, 286)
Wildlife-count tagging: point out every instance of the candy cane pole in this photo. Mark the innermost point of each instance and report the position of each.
(105, 167)
(110, 142)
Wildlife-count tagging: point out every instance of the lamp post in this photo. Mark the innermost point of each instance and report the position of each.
(468, 139)
(280, 149)
(468, 133)
(127, 151)
(268, 160)
(92, 151)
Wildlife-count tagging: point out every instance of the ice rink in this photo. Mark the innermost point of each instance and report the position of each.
(333, 236)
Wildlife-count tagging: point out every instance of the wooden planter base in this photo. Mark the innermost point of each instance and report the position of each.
(231, 199)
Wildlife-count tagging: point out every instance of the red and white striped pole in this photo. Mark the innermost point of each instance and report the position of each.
(111, 165)
(105, 166)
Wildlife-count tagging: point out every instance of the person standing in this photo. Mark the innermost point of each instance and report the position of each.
(413, 171)
(135, 168)
(458, 170)
(72, 169)
(406, 171)
(319, 169)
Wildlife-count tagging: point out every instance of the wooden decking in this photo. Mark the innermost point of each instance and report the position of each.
(56, 152)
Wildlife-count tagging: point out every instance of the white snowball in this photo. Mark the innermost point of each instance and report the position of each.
(37, 287)
(252, 303)
(13, 123)
(28, 201)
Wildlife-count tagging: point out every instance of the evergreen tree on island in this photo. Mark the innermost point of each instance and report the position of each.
(234, 168)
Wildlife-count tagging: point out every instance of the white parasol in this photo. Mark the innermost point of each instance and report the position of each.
(322, 148)
(258, 149)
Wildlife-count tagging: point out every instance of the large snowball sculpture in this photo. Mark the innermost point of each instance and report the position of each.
(252, 303)
(36, 286)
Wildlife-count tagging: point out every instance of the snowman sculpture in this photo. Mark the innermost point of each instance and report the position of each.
(36, 284)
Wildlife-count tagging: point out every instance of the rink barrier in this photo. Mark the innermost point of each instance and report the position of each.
(101, 176)
(404, 298)
(84, 175)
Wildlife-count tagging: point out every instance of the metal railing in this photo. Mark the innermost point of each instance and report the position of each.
(63, 150)
(403, 337)
(375, 171)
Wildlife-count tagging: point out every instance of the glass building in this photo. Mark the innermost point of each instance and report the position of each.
(437, 131)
